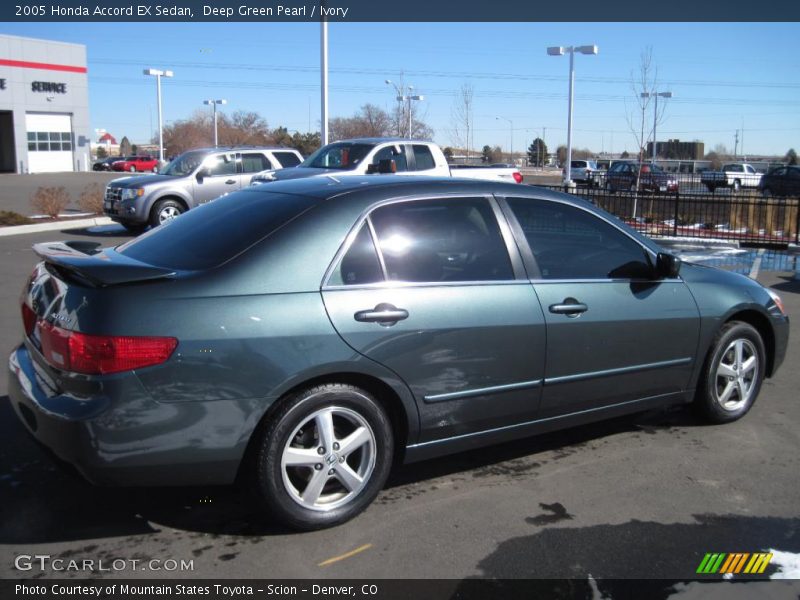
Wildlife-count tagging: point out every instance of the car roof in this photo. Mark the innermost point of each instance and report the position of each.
(380, 140)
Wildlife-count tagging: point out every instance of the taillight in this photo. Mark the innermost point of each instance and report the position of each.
(28, 318)
(101, 354)
(517, 176)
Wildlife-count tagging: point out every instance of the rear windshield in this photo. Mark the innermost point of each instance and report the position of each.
(214, 233)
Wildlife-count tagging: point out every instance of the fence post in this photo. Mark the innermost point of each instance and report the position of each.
(675, 223)
(797, 221)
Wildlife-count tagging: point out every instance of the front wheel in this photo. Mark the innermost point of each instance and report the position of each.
(732, 374)
(133, 169)
(323, 456)
(165, 210)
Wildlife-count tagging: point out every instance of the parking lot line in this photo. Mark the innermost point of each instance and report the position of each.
(358, 550)
(756, 264)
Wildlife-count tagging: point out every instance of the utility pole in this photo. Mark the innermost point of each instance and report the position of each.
(736, 143)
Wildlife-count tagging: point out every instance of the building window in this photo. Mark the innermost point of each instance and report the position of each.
(52, 141)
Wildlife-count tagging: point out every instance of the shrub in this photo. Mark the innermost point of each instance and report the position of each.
(91, 199)
(8, 217)
(50, 201)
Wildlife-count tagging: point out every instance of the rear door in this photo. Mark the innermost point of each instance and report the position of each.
(434, 290)
(614, 334)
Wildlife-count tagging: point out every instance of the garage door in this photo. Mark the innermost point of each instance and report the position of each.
(49, 142)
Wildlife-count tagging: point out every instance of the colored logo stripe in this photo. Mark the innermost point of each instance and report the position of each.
(734, 563)
(37, 65)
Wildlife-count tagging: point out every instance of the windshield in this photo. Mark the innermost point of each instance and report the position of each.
(185, 164)
(342, 156)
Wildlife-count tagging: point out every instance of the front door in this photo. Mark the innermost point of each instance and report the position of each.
(220, 178)
(427, 289)
(614, 334)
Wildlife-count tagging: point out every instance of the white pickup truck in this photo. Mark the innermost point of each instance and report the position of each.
(732, 175)
(398, 156)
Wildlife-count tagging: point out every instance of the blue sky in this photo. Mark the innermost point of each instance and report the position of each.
(724, 76)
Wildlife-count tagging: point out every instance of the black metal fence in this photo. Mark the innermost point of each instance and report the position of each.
(743, 216)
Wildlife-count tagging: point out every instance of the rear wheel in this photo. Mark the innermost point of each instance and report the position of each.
(732, 374)
(323, 456)
(711, 188)
(165, 210)
(132, 169)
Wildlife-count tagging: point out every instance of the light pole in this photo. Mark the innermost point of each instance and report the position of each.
(511, 129)
(402, 96)
(559, 51)
(323, 69)
(655, 95)
(214, 103)
(158, 74)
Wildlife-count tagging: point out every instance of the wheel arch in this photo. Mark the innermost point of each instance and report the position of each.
(404, 422)
(167, 196)
(760, 323)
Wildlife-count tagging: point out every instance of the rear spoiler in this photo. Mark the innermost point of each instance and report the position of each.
(86, 261)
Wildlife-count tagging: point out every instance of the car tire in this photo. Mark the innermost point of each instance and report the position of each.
(737, 185)
(732, 374)
(305, 484)
(632, 188)
(165, 210)
(610, 188)
(132, 168)
(155, 169)
(766, 192)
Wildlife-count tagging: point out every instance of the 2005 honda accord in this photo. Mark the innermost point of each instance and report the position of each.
(309, 333)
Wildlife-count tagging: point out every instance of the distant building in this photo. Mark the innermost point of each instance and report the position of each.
(44, 106)
(108, 140)
(677, 149)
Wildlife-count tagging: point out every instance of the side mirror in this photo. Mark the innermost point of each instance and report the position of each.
(202, 172)
(667, 265)
(387, 166)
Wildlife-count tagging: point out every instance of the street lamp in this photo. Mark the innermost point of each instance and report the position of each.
(402, 96)
(559, 51)
(214, 103)
(511, 128)
(158, 74)
(655, 114)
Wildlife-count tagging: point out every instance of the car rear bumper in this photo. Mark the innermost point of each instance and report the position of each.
(138, 442)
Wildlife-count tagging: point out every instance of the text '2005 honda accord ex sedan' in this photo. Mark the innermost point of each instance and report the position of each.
(306, 334)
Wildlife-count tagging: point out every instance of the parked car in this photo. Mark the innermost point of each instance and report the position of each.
(385, 156)
(781, 181)
(105, 164)
(732, 175)
(622, 176)
(191, 179)
(583, 171)
(136, 163)
(306, 334)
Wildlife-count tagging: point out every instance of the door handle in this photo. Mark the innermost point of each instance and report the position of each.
(569, 307)
(384, 314)
(230, 182)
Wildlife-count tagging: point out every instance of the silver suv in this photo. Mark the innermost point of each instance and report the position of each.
(584, 171)
(193, 178)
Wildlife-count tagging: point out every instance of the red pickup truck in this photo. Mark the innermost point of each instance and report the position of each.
(136, 163)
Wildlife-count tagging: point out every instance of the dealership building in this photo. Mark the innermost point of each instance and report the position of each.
(44, 106)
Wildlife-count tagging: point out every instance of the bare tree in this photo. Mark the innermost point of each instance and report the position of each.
(644, 83)
(462, 117)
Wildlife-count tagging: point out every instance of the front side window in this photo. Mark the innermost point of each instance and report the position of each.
(223, 164)
(185, 164)
(397, 153)
(343, 156)
(570, 243)
(441, 240)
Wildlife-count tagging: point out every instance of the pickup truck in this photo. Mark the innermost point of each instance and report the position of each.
(193, 178)
(398, 156)
(732, 175)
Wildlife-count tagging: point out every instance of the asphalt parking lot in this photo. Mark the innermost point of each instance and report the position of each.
(644, 496)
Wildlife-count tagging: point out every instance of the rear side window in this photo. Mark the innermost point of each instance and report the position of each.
(253, 162)
(360, 264)
(214, 233)
(423, 157)
(455, 239)
(287, 159)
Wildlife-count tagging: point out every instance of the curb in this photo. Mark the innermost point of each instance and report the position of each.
(54, 226)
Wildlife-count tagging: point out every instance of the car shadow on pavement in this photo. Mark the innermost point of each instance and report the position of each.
(789, 284)
(50, 502)
(100, 231)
